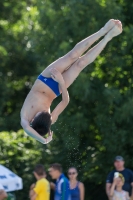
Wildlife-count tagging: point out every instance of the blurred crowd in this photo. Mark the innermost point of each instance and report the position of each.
(119, 183)
(63, 188)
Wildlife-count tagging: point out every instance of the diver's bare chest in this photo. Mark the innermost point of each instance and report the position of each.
(36, 101)
(32, 107)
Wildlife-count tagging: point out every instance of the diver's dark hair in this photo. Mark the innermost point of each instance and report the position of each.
(42, 123)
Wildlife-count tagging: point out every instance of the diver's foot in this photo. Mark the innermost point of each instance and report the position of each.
(108, 26)
(116, 30)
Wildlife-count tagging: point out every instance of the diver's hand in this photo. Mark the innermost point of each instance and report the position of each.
(57, 76)
(49, 138)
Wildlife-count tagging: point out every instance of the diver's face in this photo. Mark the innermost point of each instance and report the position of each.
(37, 114)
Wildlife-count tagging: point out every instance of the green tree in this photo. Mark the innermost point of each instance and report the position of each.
(97, 124)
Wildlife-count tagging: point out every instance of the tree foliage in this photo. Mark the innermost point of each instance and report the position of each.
(97, 124)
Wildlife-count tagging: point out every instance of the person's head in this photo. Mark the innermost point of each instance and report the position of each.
(120, 181)
(119, 163)
(42, 123)
(72, 173)
(55, 170)
(39, 171)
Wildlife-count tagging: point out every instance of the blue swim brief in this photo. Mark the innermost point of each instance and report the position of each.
(54, 86)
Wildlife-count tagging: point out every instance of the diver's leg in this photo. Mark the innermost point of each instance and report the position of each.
(63, 63)
(71, 74)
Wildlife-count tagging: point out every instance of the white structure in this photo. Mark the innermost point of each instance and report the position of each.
(9, 180)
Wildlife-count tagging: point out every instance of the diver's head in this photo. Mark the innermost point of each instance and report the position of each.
(42, 123)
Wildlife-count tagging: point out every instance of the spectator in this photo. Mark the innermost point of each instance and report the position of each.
(41, 190)
(62, 190)
(116, 192)
(76, 187)
(3, 194)
(127, 173)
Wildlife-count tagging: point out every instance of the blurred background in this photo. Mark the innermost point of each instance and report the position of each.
(98, 122)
